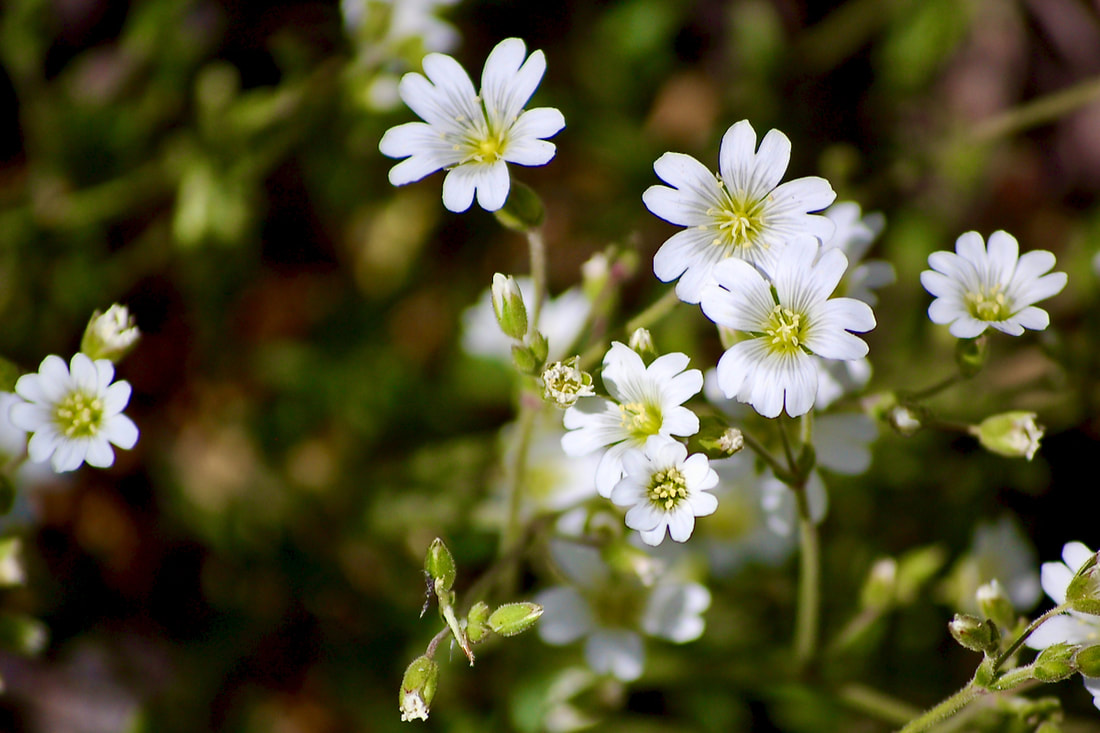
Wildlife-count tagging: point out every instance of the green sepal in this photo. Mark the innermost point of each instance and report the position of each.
(1083, 593)
(477, 627)
(1088, 661)
(514, 618)
(440, 565)
(523, 210)
(970, 355)
(1055, 663)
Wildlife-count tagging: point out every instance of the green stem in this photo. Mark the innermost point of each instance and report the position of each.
(758, 448)
(536, 247)
(1037, 112)
(944, 709)
(933, 390)
(1007, 653)
(809, 581)
(876, 704)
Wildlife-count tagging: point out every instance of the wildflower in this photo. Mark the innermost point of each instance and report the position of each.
(563, 383)
(110, 335)
(1014, 434)
(74, 413)
(742, 212)
(853, 236)
(473, 136)
(647, 401)
(976, 287)
(789, 322)
(665, 489)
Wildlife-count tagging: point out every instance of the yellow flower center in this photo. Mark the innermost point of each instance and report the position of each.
(737, 222)
(667, 488)
(786, 330)
(641, 420)
(989, 305)
(79, 415)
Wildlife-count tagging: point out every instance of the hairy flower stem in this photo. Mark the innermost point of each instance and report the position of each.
(944, 709)
(1004, 656)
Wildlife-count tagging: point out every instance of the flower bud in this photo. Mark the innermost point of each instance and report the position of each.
(418, 688)
(522, 210)
(1055, 663)
(715, 438)
(440, 565)
(563, 383)
(477, 626)
(11, 567)
(540, 348)
(879, 589)
(970, 355)
(1088, 661)
(1012, 434)
(1083, 592)
(595, 275)
(995, 604)
(514, 618)
(508, 306)
(524, 359)
(641, 342)
(110, 335)
(905, 420)
(975, 634)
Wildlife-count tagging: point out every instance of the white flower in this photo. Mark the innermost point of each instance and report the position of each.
(473, 136)
(608, 610)
(853, 236)
(110, 335)
(560, 320)
(775, 366)
(742, 212)
(842, 442)
(407, 20)
(647, 401)
(975, 288)
(665, 489)
(838, 378)
(1072, 627)
(74, 413)
(779, 503)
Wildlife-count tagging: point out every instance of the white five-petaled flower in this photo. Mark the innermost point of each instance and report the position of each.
(1072, 627)
(742, 212)
(665, 489)
(788, 321)
(976, 287)
(74, 413)
(473, 136)
(647, 401)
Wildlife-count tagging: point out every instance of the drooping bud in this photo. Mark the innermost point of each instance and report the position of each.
(995, 604)
(514, 618)
(440, 565)
(477, 626)
(1012, 434)
(110, 335)
(563, 383)
(1055, 663)
(418, 688)
(975, 634)
(1083, 592)
(508, 306)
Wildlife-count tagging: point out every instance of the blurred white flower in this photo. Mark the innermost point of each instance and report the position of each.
(843, 441)
(976, 288)
(742, 212)
(853, 236)
(472, 135)
(665, 490)
(647, 401)
(561, 321)
(1001, 551)
(110, 335)
(74, 413)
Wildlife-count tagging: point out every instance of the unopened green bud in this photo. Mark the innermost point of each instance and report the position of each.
(477, 626)
(540, 349)
(514, 618)
(970, 355)
(879, 589)
(975, 634)
(995, 604)
(11, 566)
(440, 565)
(418, 688)
(641, 342)
(508, 306)
(1088, 661)
(22, 634)
(1012, 434)
(523, 210)
(524, 360)
(905, 420)
(110, 335)
(563, 383)
(1083, 593)
(1055, 663)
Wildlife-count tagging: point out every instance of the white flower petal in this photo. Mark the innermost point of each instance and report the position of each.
(566, 616)
(615, 651)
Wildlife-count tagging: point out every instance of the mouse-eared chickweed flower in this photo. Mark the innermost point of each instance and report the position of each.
(976, 287)
(788, 321)
(471, 135)
(743, 212)
(74, 413)
(110, 335)
(665, 490)
(647, 401)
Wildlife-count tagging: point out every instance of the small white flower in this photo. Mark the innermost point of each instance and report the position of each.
(742, 212)
(665, 489)
(647, 401)
(110, 335)
(74, 413)
(1072, 627)
(473, 136)
(976, 288)
(853, 236)
(789, 322)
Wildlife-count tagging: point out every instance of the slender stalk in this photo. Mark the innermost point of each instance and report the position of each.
(877, 704)
(1037, 112)
(933, 390)
(536, 247)
(758, 448)
(1007, 653)
(809, 581)
(655, 312)
(945, 709)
